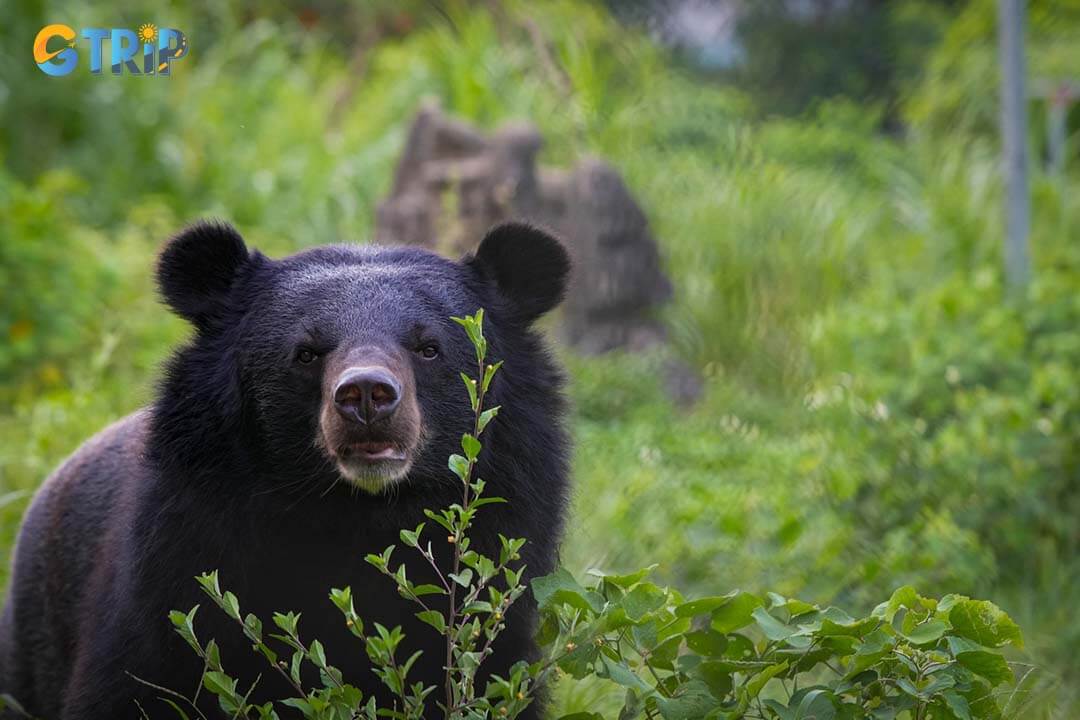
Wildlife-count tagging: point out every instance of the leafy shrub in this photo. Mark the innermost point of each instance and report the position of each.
(960, 412)
(56, 261)
(984, 404)
(738, 655)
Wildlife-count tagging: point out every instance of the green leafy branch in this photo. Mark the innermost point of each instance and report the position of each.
(476, 606)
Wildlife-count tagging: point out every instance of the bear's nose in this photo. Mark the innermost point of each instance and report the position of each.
(367, 395)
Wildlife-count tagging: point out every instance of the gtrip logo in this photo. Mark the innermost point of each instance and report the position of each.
(157, 49)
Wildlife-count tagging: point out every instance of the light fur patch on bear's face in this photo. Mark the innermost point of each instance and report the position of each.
(371, 457)
(374, 478)
(370, 475)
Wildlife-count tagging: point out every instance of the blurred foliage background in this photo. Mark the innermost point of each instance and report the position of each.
(876, 411)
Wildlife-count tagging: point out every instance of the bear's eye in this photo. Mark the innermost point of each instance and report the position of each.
(306, 355)
(429, 351)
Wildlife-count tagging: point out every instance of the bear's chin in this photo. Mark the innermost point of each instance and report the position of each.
(373, 477)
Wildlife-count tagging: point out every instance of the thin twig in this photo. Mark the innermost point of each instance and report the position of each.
(167, 691)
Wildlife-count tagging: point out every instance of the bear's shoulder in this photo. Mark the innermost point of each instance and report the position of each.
(91, 484)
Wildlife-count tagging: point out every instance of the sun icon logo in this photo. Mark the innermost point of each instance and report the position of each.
(148, 33)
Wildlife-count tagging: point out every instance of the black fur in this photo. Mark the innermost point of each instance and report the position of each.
(224, 471)
(197, 269)
(522, 260)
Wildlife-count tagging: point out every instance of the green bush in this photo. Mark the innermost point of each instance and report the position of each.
(49, 278)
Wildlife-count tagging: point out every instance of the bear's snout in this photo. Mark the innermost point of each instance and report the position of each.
(367, 395)
(370, 422)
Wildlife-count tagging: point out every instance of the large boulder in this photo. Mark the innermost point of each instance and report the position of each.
(453, 183)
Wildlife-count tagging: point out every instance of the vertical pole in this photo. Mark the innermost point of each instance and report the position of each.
(1014, 143)
(1057, 111)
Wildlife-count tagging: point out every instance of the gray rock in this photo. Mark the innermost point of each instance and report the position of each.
(453, 183)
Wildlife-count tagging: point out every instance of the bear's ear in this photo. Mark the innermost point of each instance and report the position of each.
(197, 268)
(528, 266)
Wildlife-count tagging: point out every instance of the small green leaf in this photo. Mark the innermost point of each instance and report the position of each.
(560, 587)
(459, 466)
(471, 446)
(489, 373)
(984, 623)
(779, 710)
(926, 633)
(851, 628)
(716, 675)
(486, 417)
(701, 606)
(770, 626)
(302, 705)
(317, 654)
(477, 606)
(209, 582)
(904, 597)
(756, 684)
(463, 578)
(792, 605)
(690, 701)
(219, 683)
(254, 627)
(707, 642)
(470, 386)
(957, 704)
(624, 581)
(816, 704)
(736, 613)
(619, 673)
(441, 518)
(287, 622)
(981, 661)
(411, 538)
(434, 619)
(294, 666)
(213, 655)
(907, 686)
(342, 598)
(873, 649)
(643, 599)
(185, 627)
(231, 605)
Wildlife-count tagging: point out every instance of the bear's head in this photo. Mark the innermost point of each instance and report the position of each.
(341, 362)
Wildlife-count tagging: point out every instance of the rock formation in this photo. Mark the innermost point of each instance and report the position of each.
(453, 183)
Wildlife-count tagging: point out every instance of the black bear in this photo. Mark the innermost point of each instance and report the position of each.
(307, 421)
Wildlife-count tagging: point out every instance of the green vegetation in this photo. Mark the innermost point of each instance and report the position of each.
(876, 412)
